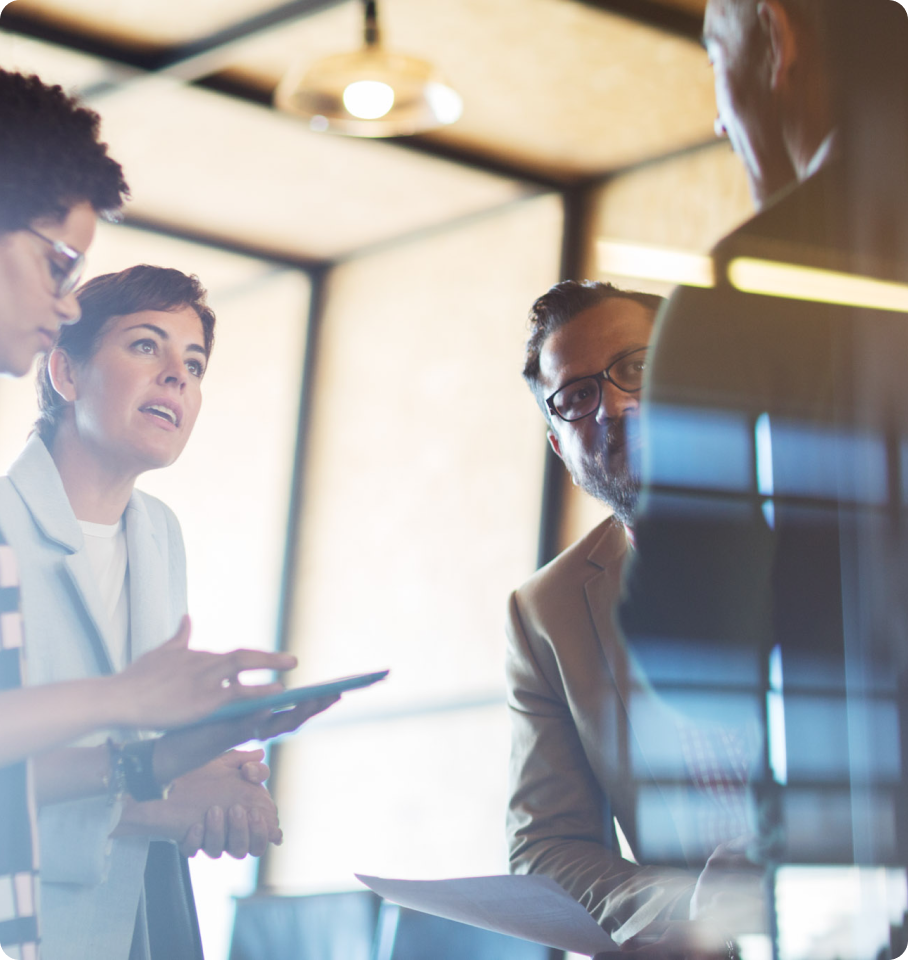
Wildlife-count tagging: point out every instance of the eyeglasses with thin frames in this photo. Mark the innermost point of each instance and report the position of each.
(582, 397)
(66, 271)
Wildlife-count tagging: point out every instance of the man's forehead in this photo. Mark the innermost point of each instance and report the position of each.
(709, 17)
(593, 338)
(723, 15)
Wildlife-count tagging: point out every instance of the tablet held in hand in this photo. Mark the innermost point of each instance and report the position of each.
(291, 698)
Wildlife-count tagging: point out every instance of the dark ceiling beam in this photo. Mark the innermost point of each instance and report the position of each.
(150, 62)
(185, 61)
(651, 13)
(17, 20)
(210, 54)
(233, 86)
(227, 244)
(178, 59)
(480, 160)
(202, 63)
(442, 228)
(710, 143)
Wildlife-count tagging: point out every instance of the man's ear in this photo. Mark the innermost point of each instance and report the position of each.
(60, 370)
(556, 446)
(781, 38)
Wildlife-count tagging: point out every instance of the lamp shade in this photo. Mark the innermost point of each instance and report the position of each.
(370, 93)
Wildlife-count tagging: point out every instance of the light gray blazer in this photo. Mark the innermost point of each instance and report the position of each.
(91, 886)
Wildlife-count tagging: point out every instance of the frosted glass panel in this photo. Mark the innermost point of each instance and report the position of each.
(418, 796)
(425, 462)
(422, 496)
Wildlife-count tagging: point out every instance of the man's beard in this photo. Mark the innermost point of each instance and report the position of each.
(617, 490)
(607, 475)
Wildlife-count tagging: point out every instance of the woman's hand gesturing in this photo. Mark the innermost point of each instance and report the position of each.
(173, 685)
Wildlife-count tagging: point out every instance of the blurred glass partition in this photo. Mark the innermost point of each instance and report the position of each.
(767, 614)
(422, 492)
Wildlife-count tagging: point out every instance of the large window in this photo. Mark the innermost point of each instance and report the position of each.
(422, 493)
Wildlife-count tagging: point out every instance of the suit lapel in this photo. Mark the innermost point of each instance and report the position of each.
(602, 596)
(148, 595)
(35, 477)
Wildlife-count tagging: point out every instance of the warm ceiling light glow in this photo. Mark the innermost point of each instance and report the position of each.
(447, 104)
(368, 99)
(794, 282)
(654, 263)
(372, 92)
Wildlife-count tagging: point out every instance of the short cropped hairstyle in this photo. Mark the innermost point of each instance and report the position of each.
(117, 295)
(557, 307)
(50, 156)
(809, 11)
(812, 18)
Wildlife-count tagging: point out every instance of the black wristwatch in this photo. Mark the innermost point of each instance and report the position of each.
(132, 770)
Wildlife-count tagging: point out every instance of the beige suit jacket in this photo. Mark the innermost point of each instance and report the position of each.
(572, 750)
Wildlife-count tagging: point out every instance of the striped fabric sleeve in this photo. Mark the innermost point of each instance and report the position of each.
(19, 890)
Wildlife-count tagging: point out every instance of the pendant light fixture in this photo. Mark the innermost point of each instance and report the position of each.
(370, 93)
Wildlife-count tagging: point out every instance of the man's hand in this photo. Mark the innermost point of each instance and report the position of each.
(730, 891)
(727, 901)
(220, 806)
(677, 940)
(173, 685)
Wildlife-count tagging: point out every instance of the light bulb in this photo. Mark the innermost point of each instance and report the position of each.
(446, 103)
(368, 99)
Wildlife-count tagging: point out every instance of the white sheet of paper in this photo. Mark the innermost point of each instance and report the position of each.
(531, 907)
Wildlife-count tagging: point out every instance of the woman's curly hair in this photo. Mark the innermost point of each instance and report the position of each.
(50, 156)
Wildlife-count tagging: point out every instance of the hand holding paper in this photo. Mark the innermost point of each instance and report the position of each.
(530, 907)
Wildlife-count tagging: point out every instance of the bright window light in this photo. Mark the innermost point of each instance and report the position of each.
(368, 99)
(765, 480)
(794, 282)
(624, 847)
(754, 946)
(829, 912)
(775, 708)
(655, 263)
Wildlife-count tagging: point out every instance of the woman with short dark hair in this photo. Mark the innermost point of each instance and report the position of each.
(130, 291)
(104, 563)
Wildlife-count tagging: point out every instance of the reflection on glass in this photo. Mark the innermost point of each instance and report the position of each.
(700, 448)
(773, 720)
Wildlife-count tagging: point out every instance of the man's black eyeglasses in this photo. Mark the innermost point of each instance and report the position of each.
(580, 398)
(65, 266)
